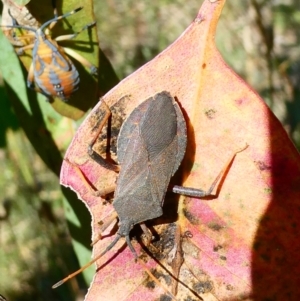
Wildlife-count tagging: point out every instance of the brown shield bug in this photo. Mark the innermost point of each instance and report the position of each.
(150, 147)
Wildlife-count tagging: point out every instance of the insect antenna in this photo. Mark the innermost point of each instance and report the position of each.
(88, 264)
(56, 18)
(19, 26)
(54, 8)
(150, 274)
(60, 17)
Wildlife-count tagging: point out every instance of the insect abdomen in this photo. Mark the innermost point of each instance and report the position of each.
(54, 72)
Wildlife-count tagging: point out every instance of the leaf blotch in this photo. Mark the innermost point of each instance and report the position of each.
(211, 113)
(241, 101)
(262, 165)
(165, 298)
(199, 19)
(215, 226)
(107, 140)
(203, 66)
(268, 190)
(203, 287)
(151, 284)
(229, 287)
(189, 298)
(117, 119)
(266, 257)
(191, 218)
(165, 243)
(217, 248)
(95, 119)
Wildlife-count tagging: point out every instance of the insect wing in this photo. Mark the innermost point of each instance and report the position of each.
(147, 152)
(158, 131)
(134, 196)
(181, 136)
(147, 138)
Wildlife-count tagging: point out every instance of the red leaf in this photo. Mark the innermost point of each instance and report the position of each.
(243, 244)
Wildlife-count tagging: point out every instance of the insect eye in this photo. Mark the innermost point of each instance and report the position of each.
(60, 93)
(57, 86)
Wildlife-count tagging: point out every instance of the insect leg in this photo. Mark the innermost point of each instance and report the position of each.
(104, 224)
(75, 34)
(12, 36)
(81, 59)
(194, 192)
(92, 190)
(14, 21)
(147, 233)
(88, 264)
(54, 13)
(20, 51)
(109, 247)
(30, 78)
(54, 8)
(55, 19)
(105, 112)
(74, 54)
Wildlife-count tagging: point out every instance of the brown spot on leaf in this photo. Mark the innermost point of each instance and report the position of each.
(151, 284)
(229, 287)
(217, 248)
(189, 298)
(191, 218)
(166, 241)
(187, 234)
(203, 287)
(211, 113)
(165, 298)
(190, 249)
(199, 19)
(107, 140)
(262, 165)
(215, 226)
(240, 101)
